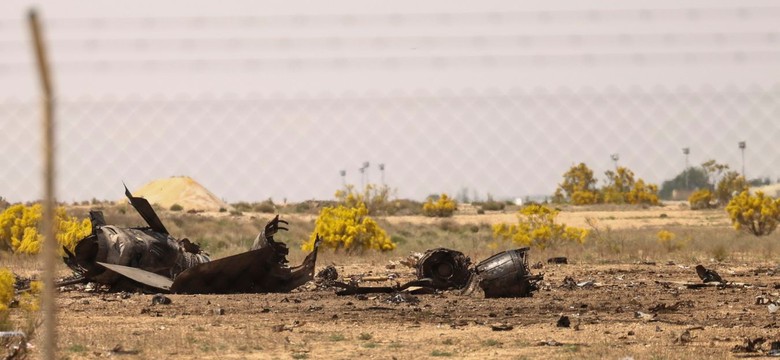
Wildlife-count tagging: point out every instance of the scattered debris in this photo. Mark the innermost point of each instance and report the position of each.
(563, 322)
(412, 260)
(684, 338)
(645, 316)
(280, 328)
(762, 300)
(120, 350)
(13, 344)
(402, 297)
(663, 307)
(329, 273)
(774, 349)
(773, 307)
(550, 342)
(422, 286)
(538, 265)
(558, 260)
(569, 283)
(707, 275)
(501, 327)
(160, 299)
(750, 345)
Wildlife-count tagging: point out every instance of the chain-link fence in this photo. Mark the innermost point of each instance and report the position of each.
(510, 144)
(292, 106)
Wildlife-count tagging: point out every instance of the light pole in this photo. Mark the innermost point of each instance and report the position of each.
(742, 147)
(382, 171)
(615, 157)
(686, 151)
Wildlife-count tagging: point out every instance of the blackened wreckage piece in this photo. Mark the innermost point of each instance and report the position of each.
(505, 274)
(149, 258)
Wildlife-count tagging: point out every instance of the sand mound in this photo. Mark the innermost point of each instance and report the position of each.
(182, 190)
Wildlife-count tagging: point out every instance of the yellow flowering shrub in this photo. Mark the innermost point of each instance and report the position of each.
(444, 206)
(701, 199)
(642, 193)
(19, 229)
(757, 214)
(350, 229)
(6, 289)
(584, 198)
(669, 241)
(31, 300)
(536, 227)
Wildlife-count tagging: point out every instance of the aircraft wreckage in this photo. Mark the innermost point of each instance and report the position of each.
(149, 258)
(505, 274)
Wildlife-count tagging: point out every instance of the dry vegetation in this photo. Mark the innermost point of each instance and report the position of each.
(623, 254)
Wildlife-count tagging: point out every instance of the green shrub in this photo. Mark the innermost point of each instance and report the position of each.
(267, 207)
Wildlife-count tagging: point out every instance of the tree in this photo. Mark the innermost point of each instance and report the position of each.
(690, 178)
(730, 184)
(619, 183)
(578, 186)
(756, 214)
(713, 170)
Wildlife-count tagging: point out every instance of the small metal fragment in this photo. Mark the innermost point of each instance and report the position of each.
(563, 322)
(160, 299)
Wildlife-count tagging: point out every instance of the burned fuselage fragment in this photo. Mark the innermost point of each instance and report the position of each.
(149, 257)
(506, 274)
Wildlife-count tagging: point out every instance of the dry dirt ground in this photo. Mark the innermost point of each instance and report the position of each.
(680, 323)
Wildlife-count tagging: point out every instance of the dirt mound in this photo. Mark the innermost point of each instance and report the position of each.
(182, 190)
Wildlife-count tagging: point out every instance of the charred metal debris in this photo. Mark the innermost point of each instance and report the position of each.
(505, 274)
(150, 259)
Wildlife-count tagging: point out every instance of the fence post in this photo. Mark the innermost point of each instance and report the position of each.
(48, 253)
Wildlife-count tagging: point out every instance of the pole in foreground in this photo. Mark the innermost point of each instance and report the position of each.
(48, 253)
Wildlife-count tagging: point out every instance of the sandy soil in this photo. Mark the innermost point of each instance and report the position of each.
(317, 324)
(624, 219)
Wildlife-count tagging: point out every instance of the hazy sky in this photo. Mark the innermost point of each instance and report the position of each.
(258, 99)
